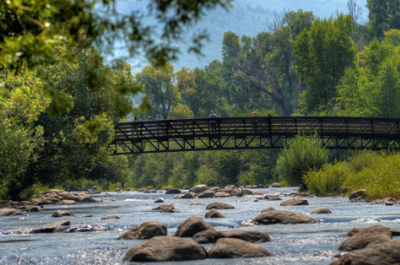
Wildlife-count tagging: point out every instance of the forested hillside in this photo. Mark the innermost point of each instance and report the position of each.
(247, 17)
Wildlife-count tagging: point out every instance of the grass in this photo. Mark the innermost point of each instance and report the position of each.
(378, 173)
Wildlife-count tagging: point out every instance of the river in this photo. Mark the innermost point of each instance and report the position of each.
(290, 244)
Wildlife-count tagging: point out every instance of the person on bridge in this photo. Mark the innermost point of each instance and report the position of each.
(213, 122)
(135, 126)
(255, 124)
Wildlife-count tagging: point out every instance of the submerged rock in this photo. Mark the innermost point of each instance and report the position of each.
(196, 204)
(192, 226)
(236, 248)
(163, 248)
(111, 217)
(322, 210)
(219, 205)
(372, 235)
(295, 201)
(272, 197)
(145, 230)
(213, 213)
(282, 217)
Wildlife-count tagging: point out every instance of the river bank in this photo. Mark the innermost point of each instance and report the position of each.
(290, 244)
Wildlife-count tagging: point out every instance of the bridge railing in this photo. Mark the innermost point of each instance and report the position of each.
(327, 128)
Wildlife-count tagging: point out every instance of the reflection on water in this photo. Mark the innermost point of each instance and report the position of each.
(290, 244)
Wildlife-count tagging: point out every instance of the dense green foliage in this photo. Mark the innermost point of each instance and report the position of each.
(378, 173)
(303, 154)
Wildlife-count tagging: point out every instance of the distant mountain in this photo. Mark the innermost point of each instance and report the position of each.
(247, 17)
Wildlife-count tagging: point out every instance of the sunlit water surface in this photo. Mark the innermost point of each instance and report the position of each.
(290, 244)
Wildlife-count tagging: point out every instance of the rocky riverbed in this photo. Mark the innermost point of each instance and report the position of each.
(273, 223)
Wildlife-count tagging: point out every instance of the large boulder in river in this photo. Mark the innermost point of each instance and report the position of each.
(386, 253)
(192, 226)
(358, 193)
(294, 201)
(249, 236)
(166, 248)
(368, 236)
(10, 212)
(145, 230)
(159, 200)
(236, 248)
(206, 194)
(33, 209)
(199, 188)
(163, 206)
(219, 205)
(62, 213)
(213, 213)
(247, 192)
(322, 210)
(282, 217)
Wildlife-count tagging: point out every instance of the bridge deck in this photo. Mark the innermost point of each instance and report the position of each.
(253, 133)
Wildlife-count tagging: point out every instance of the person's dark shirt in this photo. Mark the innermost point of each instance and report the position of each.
(212, 116)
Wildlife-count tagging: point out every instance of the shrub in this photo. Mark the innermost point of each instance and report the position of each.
(303, 154)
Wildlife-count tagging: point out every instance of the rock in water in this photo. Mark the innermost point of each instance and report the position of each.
(247, 192)
(196, 204)
(269, 209)
(249, 236)
(206, 236)
(386, 253)
(88, 215)
(321, 211)
(159, 200)
(172, 191)
(163, 206)
(367, 236)
(358, 193)
(33, 209)
(258, 193)
(275, 185)
(295, 201)
(206, 194)
(165, 248)
(10, 212)
(192, 226)
(188, 195)
(282, 217)
(236, 248)
(222, 194)
(213, 213)
(272, 197)
(219, 205)
(199, 188)
(111, 217)
(62, 213)
(57, 224)
(145, 231)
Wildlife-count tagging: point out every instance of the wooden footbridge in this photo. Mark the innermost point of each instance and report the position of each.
(253, 133)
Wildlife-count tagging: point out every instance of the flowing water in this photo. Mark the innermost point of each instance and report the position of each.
(290, 244)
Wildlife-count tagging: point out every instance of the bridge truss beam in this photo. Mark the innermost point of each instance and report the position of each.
(253, 133)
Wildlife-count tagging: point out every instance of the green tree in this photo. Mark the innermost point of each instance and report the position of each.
(303, 154)
(160, 88)
(323, 54)
(383, 15)
(373, 88)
